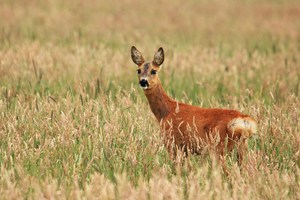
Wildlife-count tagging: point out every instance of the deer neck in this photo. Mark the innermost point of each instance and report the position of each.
(160, 103)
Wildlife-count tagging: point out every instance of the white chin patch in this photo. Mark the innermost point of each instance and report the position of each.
(145, 88)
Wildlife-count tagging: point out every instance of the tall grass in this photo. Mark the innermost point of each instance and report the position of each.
(75, 125)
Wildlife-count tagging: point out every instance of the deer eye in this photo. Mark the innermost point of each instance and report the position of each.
(153, 72)
(139, 71)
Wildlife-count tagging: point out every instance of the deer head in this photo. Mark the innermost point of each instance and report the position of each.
(147, 70)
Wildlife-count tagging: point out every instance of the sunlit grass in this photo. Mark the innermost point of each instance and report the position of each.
(74, 124)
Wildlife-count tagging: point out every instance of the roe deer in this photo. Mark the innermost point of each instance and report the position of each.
(186, 128)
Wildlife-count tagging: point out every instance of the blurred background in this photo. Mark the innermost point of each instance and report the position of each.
(144, 23)
(84, 40)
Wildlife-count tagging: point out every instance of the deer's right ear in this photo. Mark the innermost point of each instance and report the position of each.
(136, 56)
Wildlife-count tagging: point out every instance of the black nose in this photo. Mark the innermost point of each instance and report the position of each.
(144, 83)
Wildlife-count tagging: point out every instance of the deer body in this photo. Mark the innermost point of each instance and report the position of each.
(185, 127)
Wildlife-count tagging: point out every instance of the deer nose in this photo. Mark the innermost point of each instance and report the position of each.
(144, 83)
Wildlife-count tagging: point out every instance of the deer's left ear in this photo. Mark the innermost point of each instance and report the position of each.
(136, 56)
(159, 57)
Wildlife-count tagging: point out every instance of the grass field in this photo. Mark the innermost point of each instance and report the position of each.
(74, 123)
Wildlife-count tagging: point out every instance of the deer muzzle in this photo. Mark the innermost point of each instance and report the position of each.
(144, 83)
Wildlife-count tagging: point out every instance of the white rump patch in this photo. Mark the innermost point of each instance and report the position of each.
(246, 125)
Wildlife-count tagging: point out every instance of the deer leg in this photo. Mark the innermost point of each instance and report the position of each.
(241, 151)
(221, 158)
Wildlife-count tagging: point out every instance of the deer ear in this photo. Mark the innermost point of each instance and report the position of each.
(136, 56)
(159, 57)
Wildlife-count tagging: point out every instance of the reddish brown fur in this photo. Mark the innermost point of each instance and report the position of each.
(188, 128)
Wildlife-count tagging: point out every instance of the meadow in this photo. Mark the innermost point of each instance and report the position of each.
(74, 123)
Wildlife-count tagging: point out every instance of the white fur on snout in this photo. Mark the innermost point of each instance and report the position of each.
(144, 78)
